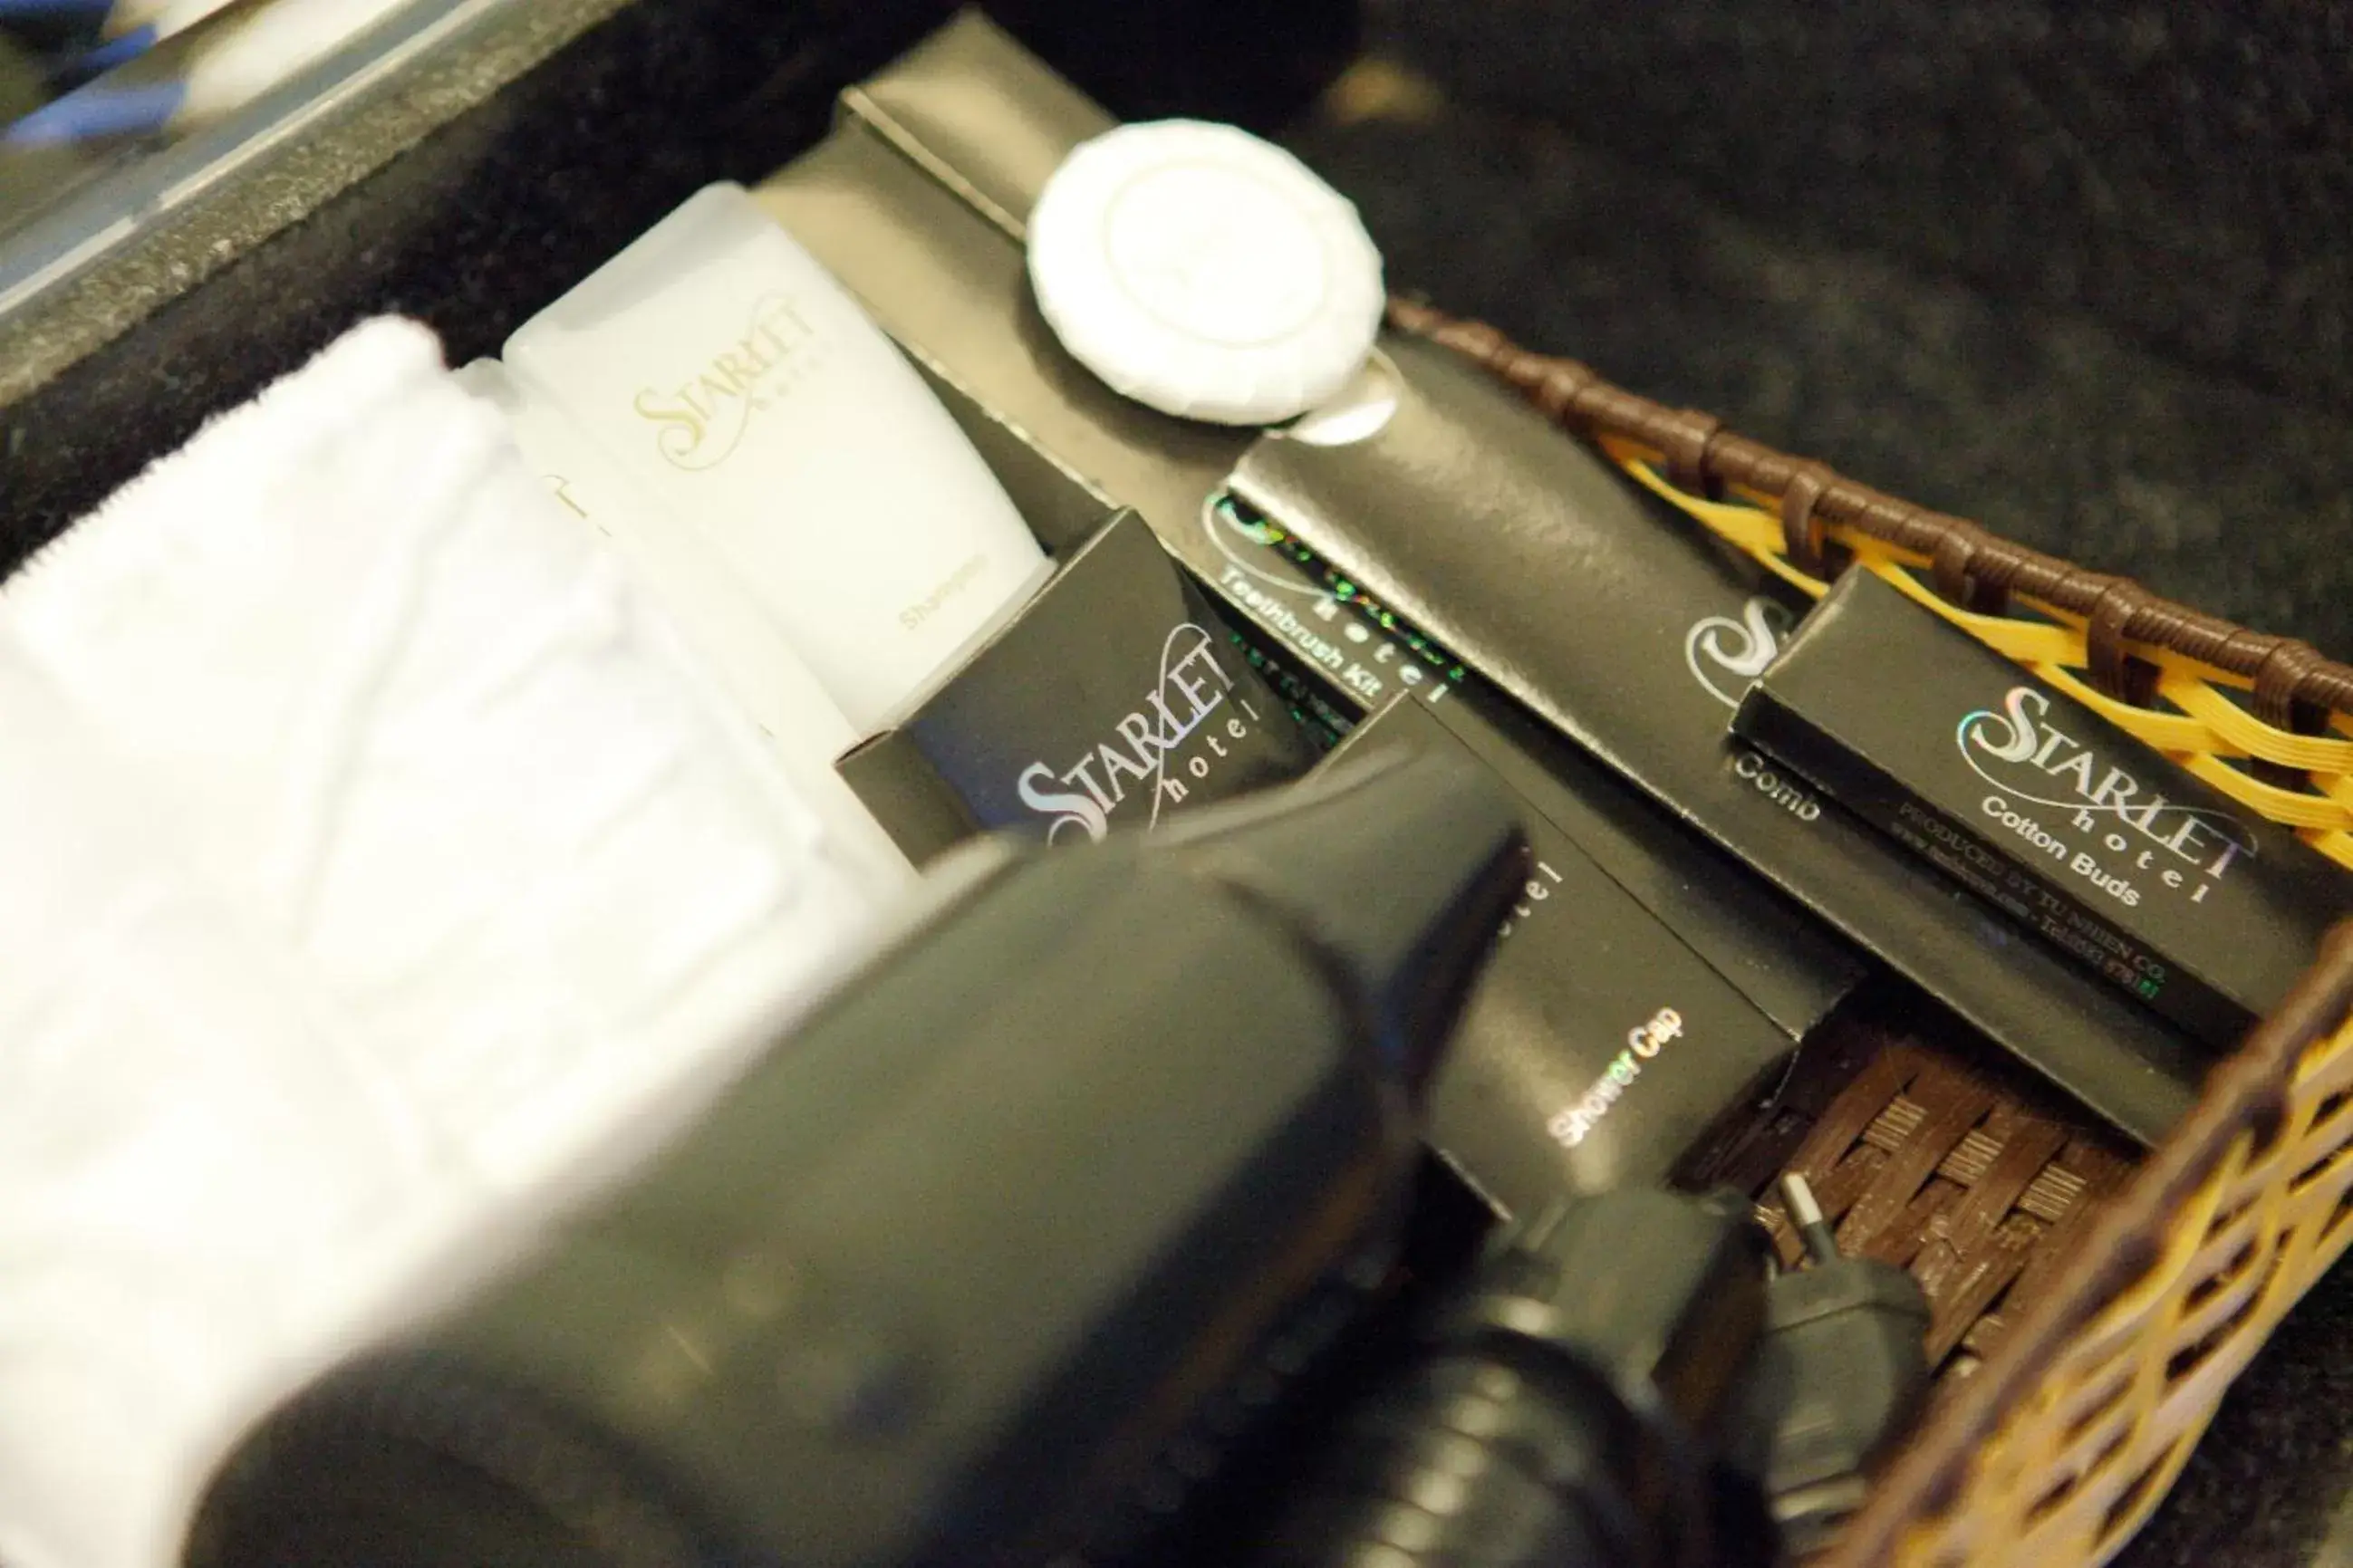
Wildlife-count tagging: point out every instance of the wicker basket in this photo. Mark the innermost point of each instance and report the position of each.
(2089, 1314)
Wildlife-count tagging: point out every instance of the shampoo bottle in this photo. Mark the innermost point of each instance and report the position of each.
(727, 375)
(738, 646)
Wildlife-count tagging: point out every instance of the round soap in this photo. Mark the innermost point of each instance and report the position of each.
(1204, 272)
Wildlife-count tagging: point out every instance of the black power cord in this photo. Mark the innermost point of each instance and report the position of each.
(1841, 1368)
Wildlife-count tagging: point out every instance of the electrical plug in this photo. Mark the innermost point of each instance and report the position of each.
(1841, 1368)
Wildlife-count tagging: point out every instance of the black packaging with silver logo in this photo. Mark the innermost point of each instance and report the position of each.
(2146, 875)
(1598, 1047)
(1114, 698)
(1634, 635)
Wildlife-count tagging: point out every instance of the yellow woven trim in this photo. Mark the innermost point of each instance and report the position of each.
(2191, 688)
(2079, 1465)
(2337, 845)
(2208, 732)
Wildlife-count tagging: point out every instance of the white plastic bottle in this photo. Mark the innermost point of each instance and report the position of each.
(727, 374)
(726, 630)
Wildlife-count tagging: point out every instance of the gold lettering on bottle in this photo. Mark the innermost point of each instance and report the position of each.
(701, 421)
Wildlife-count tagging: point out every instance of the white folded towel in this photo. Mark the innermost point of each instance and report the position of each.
(377, 877)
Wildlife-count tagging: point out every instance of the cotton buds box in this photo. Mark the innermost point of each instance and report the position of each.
(2144, 874)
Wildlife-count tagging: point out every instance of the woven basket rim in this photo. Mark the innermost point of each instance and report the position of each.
(2294, 684)
(2246, 1094)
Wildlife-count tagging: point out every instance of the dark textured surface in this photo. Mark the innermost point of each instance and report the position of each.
(2178, 168)
(2270, 1485)
(2048, 426)
(2085, 277)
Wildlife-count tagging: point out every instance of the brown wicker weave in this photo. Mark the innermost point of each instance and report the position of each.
(2088, 1316)
(1928, 1157)
(2072, 1433)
